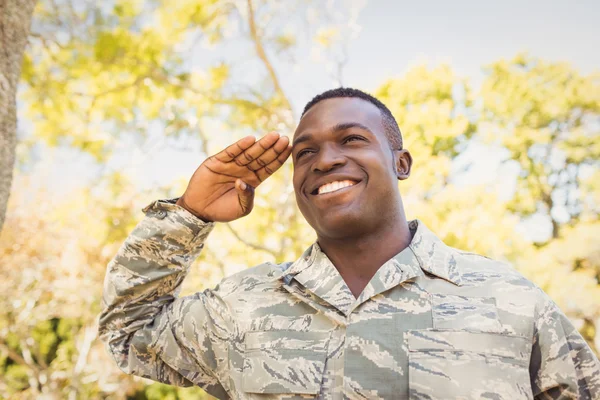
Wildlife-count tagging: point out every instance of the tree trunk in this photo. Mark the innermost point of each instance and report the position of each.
(15, 21)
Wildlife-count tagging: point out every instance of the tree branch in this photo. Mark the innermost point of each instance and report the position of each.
(233, 101)
(260, 51)
(251, 245)
(217, 260)
(16, 357)
(89, 335)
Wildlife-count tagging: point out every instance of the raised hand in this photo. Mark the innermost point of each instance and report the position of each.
(222, 188)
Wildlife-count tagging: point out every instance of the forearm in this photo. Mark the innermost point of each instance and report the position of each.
(142, 280)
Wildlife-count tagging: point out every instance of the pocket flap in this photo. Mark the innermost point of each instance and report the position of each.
(291, 340)
(474, 314)
(284, 362)
(489, 344)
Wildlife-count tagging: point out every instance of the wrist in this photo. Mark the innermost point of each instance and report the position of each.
(181, 203)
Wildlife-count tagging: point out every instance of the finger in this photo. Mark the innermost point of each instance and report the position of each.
(274, 165)
(245, 195)
(234, 150)
(257, 149)
(270, 155)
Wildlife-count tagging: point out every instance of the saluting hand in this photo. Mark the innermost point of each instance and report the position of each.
(222, 188)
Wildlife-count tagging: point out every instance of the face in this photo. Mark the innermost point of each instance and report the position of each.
(345, 173)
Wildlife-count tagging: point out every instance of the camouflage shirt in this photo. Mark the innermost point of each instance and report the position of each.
(434, 322)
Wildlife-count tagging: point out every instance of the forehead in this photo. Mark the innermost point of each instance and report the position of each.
(328, 113)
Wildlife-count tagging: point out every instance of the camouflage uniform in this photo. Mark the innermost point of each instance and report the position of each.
(434, 322)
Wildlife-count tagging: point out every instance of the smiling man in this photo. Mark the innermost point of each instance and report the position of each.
(378, 307)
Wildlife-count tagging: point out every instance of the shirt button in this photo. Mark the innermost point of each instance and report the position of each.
(161, 214)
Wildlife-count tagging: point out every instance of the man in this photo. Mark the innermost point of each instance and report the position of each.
(377, 308)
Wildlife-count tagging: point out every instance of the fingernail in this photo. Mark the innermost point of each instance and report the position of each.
(243, 185)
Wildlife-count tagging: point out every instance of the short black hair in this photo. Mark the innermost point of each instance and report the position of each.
(390, 125)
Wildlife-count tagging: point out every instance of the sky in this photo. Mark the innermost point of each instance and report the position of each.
(393, 36)
(469, 34)
(397, 34)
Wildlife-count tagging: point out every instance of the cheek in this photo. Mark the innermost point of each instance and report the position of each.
(297, 178)
(381, 171)
(376, 163)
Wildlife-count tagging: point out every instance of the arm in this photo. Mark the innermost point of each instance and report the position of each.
(562, 364)
(145, 327)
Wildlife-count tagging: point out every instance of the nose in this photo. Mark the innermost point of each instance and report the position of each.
(327, 159)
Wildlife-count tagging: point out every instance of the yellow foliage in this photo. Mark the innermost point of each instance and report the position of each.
(472, 219)
(568, 268)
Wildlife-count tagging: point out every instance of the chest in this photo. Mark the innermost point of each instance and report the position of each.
(409, 342)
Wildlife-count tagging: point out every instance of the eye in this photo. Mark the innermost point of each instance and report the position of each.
(353, 138)
(302, 153)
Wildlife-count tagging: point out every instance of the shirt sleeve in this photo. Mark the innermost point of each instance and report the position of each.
(147, 329)
(562, 364)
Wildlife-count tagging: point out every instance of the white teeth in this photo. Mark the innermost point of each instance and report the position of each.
(333, 186)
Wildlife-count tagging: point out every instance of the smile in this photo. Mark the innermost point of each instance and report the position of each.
(335, 186)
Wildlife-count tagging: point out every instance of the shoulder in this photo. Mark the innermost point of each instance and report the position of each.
(260, 278)
(476, 269)
(501, 279)
(497, 279)
(517, 299)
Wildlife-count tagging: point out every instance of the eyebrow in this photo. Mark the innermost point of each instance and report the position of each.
(337, 128)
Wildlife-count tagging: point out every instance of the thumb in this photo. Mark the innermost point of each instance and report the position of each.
(245, 196)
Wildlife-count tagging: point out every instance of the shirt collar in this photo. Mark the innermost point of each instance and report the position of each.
(430, 253)
(434, 256)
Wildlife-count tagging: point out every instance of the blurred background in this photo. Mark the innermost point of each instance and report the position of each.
(121, 100)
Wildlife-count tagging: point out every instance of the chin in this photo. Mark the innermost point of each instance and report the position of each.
(340, 226)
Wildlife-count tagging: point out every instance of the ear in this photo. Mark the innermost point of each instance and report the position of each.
(403, 163)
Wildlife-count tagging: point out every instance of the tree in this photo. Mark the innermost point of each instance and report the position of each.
(51, 293)
(547, 115)
(431, 106)
(15, 20)
(129, 74)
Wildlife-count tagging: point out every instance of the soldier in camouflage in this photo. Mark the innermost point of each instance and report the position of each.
(377, 308)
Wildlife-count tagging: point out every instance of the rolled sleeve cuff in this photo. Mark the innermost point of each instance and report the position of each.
(176, 217)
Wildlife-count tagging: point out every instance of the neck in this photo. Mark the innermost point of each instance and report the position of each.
(358, 258)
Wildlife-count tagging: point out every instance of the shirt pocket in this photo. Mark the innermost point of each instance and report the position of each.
(478, 314)
(468, 365)
(284, 362)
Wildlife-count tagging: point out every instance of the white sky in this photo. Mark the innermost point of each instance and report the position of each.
(397, 34)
